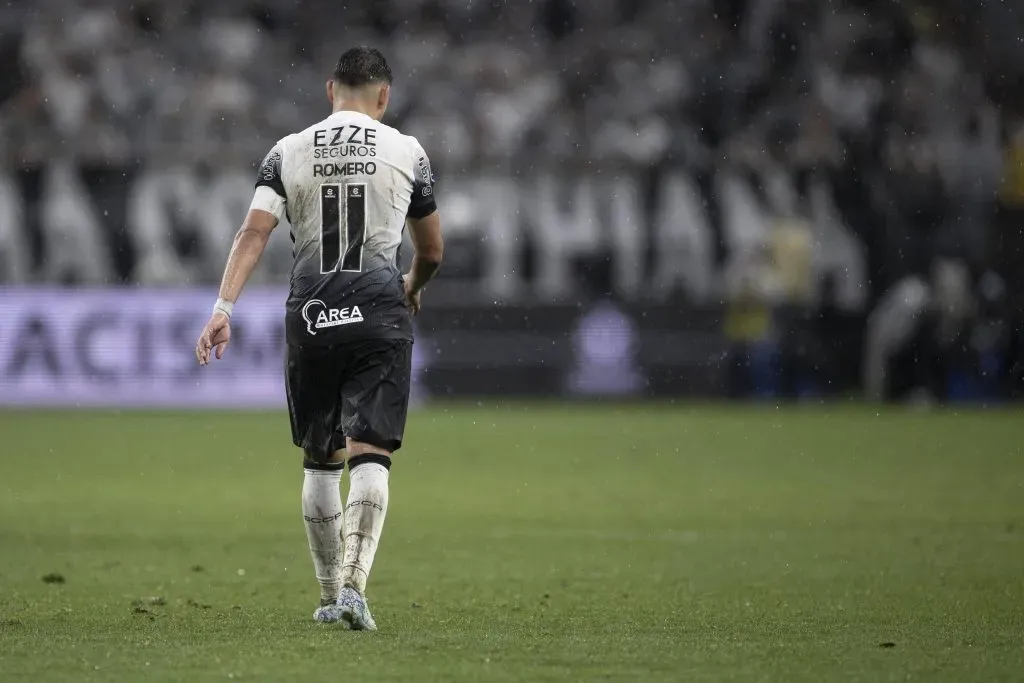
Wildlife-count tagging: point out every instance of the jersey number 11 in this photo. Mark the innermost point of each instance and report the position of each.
(341, 242)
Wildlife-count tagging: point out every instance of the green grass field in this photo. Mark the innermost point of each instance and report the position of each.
(525, 543)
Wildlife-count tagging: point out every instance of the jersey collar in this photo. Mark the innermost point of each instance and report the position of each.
(352, 112)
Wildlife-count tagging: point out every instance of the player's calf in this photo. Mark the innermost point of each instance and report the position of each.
(369, 468)
(323, 515)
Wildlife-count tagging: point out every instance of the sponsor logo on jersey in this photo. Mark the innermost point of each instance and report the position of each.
(349, 134)
(344, 151)
(271, 166)
(348, 140)
(426, 178)
(425, 175)
(319, 316)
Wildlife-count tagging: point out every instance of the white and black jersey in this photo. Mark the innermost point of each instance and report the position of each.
(347, 185)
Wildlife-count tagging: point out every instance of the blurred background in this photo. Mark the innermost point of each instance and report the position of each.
(771, 199)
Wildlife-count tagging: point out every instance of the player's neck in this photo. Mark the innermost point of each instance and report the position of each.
(352, 105)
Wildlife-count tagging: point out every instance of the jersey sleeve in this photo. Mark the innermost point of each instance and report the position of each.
(422, 203)
(270, 194)
(270, 172)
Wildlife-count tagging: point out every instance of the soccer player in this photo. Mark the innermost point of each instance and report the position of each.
(348, 185)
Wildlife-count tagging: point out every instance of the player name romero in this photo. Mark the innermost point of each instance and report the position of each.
(351, 168)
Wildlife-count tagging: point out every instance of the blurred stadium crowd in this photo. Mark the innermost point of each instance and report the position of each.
(905, 119)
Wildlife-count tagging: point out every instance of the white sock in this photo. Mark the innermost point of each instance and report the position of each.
(364, 519)
(321, 509)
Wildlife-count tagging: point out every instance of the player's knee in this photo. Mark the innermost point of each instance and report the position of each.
(318, 459)
(360, 451)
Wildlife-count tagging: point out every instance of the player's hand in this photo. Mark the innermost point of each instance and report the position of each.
(215, 336)
(412, 299)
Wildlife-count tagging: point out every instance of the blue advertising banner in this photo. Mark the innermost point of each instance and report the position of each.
(134, 348)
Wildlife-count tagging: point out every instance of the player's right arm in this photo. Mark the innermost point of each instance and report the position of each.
(266, 211)
(425, 231)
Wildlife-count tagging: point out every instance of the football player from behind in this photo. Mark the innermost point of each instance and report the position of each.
(348, 185)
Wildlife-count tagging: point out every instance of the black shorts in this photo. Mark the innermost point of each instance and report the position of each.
(358, 390)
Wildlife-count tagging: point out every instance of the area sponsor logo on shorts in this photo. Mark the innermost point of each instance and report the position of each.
(319, 316)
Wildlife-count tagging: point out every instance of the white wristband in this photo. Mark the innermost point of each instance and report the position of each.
(224, 306)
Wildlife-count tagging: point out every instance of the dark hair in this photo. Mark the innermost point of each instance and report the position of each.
(362, 66)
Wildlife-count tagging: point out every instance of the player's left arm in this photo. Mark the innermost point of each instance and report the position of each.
(425, 230)
(264, 214)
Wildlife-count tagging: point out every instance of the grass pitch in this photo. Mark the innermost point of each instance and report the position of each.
(543, 543)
